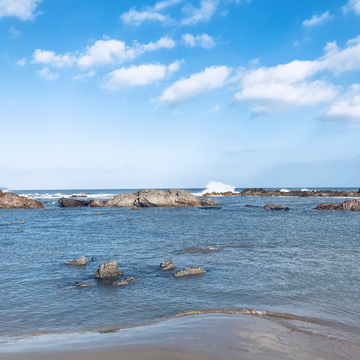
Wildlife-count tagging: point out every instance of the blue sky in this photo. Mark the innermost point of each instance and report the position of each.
(177, 93)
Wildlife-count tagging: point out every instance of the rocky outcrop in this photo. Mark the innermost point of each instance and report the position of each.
(159, 198)
(10, 200)
(189, 271)
(347, 205)
(276, 207)
(81, 261)
(167, 265)
(108, 269)
(127, 281)
(64, 202)
(297, 193)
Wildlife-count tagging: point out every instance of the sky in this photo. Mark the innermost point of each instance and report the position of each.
(177, 93)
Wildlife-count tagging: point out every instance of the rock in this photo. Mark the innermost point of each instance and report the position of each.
(77, 284)
(10, 200)
(10, 223)
(167, 265)
(210, 207)
(248, 205)
(275, 207)
(64, 202)
(21, 231)
(123, 282)
(189, 271)
(347, 205)
(108, 269)
(122, 200)
(56, 226)
(21, 222)
(97, 203)
(98, 213)
(81, 261)
(78, 196)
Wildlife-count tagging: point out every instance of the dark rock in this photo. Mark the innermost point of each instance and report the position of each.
(10, 200)
(210, 207)
(64, 202)
(81, 261)
(248, 205)
(189, 271)
(167, 265)
(21, 231)
(78, 196)
(276, 207)
(123, 282)
(347, 205)
(108, 269)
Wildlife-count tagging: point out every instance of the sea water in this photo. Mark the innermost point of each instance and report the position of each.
(304, 263)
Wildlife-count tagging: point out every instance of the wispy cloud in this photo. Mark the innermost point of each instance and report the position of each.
(352, 5)
(21, 62)
(203, 40)
(14, 33)
(319, 19)
(46, 74)
(203, 13)
(216, 108)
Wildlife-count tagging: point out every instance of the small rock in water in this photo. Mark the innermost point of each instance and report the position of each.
(77, 284)
(98, 213)
(248, 205)
(10, 223)
(108, 269)
(167, 265)
(21, 222)
(123, 282)
(189, 271)
(276, 207)
(20, 231)
(56, 226)
(81, 261)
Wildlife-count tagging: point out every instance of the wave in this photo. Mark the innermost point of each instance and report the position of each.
(215, 186)
(202, 250)
(48, 196)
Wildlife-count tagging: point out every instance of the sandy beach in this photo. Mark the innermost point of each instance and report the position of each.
(203, 336)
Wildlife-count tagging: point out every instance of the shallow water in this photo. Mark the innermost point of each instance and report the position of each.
(302, 262)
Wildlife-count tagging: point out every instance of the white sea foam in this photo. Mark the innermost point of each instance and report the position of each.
(215, 186)
(48, 196)
(305, 190)
(284, 190)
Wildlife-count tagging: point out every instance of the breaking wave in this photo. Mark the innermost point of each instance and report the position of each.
(48, 196)
(215, 186)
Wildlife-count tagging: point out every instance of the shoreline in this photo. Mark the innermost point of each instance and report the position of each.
(199, 336)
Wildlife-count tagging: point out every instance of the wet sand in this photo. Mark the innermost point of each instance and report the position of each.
(196, 337)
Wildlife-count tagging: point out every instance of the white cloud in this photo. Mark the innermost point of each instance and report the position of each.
(215, 108)
(49, 57)
(90, 74)
(103, 52)
(175, 66)
(23, 9)
(46, 74)
(203, 40)
(319, 19)
(21, 62)
(287, 86)
(346, 108)
(186, 89)
(136, 18)
(138, 75)
(203, 13)
(352, 5)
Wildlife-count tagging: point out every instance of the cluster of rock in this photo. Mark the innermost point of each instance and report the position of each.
(145, 198)
(110, 270)
(9, 200)
(347, 205)
(275, 207)
(297, 193)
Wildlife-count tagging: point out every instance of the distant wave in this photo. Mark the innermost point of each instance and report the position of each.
(48, 196)
(215, 186)
(286, 190)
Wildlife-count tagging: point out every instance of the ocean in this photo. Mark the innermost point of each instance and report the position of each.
(300, 266)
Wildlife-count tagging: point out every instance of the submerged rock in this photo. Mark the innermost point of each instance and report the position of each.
(81, 261)
(108, 269)
(276, 207)
(9, 200)
(123, 282)
(21, 231)
(77, 284)
(21, 222)
(189, 271)
(347, 205)
(167, 265)
(98, 213)
(10, 223)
